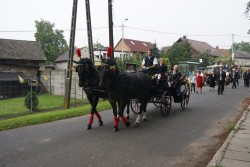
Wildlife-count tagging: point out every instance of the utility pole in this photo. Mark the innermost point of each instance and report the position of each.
(232, 47)
(111, 41)
(71, 54)
(123, 39)
(89, 31)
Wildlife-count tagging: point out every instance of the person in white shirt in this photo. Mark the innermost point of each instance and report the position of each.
(193, 82)
(149, 63)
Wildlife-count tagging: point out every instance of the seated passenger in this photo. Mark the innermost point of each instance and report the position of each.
(161, 70)
(175, 83)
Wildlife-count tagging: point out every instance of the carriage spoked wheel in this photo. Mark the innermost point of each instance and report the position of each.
(185, 97)
(135, 105)
(165, 104)
(156, 102)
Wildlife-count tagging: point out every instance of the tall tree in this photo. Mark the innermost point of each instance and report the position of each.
(156, 51)
(180, 51)
(243, 46)
(52, 41)
(247, 10)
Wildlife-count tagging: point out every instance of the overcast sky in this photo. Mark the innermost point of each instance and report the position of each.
(160, 21)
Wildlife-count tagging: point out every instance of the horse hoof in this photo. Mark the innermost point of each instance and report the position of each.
(136, 124)
(88, 127)
(127, 124)
(115, 129)
(100, 123)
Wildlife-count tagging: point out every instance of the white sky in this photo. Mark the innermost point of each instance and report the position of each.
(160, 21)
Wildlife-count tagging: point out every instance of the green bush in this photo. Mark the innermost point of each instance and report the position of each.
(35, 101)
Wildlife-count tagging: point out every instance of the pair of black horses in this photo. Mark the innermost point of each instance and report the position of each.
(118, 86)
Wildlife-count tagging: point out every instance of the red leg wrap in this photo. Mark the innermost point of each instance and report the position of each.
(115, 121)
(91, 118)
(98, 116)
(124, 120)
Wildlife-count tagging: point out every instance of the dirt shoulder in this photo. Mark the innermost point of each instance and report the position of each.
(201, 151)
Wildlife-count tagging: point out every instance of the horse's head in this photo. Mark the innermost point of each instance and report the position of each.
(84, 69)
(107, 71)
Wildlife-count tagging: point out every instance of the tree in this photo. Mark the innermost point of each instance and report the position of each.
(52, 41)
(243, 46)
(35, 101)
(156, 51)
(247, 11)
(180, 51)
(207, 59)
(98, 45)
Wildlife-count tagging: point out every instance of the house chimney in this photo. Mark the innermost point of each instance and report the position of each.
(217, 47)
(184, 37)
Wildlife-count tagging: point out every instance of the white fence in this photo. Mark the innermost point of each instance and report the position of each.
(54, 82)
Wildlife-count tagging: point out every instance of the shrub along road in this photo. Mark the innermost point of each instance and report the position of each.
(185, 138)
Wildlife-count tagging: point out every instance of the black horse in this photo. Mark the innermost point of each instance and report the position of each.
(123, 86)
(89, 79)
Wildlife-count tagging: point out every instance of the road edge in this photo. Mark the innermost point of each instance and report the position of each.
(217, 158)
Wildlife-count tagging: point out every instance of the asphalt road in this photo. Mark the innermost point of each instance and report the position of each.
(184, 138)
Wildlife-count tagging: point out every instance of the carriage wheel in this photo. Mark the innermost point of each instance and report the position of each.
(135, 105)
(185, 97)
(156, 102)
(166, 104)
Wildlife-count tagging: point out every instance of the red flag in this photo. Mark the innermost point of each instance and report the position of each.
(78, 52)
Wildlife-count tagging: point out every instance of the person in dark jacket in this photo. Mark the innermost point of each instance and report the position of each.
(161, 71)
(212, 79)
(220, 76)
(246, 78)
(234, 78)
(175, 83)
(149, 63)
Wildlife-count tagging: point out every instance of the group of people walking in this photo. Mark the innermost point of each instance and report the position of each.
(221, 77)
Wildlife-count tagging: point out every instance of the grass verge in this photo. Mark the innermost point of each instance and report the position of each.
(43, 117)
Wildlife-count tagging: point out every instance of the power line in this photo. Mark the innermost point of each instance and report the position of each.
(141, 29)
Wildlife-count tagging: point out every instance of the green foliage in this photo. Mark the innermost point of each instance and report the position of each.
(247, 11)
(224, 60)
(156, 51)
(230, 127)
(180, 51)
(121, 63)
(35, 101)
(43, 117)
(52, 41)
(243, 46)
(207, 59)
(98, 45)
(46, 102)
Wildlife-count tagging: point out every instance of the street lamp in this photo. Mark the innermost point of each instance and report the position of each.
(123, 37)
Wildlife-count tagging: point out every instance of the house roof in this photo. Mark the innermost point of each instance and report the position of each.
(64, 57)
(21, 50)
(137, 46)
(241, 54)
(202, 47)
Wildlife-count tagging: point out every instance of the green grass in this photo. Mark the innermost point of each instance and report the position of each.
(230, 127)
(15, 107)
(13, 114)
